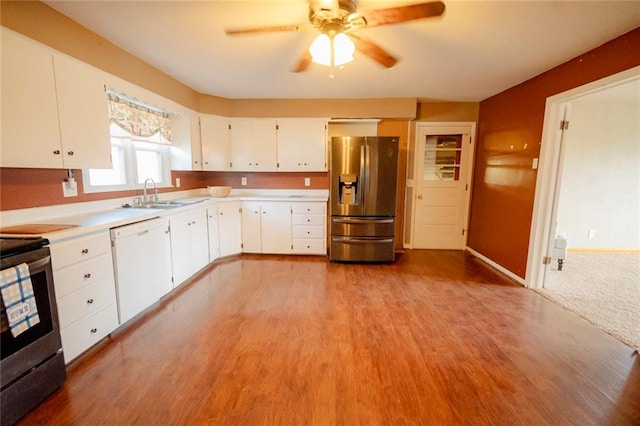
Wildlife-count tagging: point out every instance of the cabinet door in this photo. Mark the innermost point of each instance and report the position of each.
(302, 144)
(186, 149)
(276, 227)
(213, 233)
(189, 244)
(199, 240)
(180, 247)
(253, 144)
(30, 131)
(264, 145)
(216, 143)
(251, 241)
(229, 228)
(83, 110)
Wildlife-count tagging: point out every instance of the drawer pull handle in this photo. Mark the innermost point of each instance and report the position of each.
(70, 153)
(90, 302)
(308, 220)
(56, 152)
(87, 276)
(94, 330)
(85, 251)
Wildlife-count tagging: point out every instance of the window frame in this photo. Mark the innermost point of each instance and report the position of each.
(130, 145)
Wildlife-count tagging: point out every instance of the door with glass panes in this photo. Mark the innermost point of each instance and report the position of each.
(441, 186)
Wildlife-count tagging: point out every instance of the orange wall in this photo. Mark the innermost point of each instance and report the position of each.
(509, 138)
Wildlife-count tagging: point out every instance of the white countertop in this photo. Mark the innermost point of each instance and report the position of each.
(99, 216)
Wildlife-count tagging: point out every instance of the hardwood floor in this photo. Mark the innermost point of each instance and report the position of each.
(436, 338)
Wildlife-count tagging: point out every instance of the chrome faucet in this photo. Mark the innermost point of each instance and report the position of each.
(145, 198)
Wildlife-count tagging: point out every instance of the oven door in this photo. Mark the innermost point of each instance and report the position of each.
(30, 348)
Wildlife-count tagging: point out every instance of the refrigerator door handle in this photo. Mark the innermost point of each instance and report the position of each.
(363, 174)
(356, 240)
(354, 220)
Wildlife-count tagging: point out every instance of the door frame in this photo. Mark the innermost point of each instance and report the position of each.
(549, 168)
(410, 185)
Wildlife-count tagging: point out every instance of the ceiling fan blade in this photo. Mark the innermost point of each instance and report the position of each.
(272, 29)
(373, 51)
(305, 60)
(394, 15)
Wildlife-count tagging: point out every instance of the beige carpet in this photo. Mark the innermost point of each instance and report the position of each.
(601, 287)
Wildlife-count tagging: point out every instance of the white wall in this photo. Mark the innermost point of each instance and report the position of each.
(600, 189)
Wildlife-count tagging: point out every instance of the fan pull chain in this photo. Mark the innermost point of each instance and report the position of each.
(331, 45)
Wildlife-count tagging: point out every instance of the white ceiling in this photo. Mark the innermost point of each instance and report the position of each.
(475, 50)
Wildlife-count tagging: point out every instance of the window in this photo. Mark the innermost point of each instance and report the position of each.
(140, 139)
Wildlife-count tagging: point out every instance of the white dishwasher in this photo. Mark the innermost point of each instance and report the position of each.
(142, 265)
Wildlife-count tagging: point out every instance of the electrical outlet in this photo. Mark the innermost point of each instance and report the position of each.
(70, 188)
(243, 181)
(177, 182)
(307, 181)
(592, 233)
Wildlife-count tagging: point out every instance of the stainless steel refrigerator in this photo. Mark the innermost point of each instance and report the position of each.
(363, 198)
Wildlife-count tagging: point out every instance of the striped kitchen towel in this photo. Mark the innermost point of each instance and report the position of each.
(18, 299)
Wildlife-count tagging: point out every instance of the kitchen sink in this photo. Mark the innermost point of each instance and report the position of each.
(168, 204)
(165, 205)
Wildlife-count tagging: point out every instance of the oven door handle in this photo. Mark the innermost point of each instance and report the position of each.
(38, 264)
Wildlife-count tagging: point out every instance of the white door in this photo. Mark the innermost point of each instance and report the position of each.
(441, 183)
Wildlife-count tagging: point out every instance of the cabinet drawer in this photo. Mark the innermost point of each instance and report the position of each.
(308, 219)
(308, 208)
(86, 333)
(308, 231)
(77, 250)
(83, 274)
(308, 246)
(85, 302)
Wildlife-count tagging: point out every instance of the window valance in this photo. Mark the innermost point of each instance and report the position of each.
(139, 120)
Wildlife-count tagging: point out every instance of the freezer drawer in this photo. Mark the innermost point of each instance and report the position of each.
(362, 226)
(362, 249)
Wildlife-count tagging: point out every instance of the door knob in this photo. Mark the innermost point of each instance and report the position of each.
(419, 197)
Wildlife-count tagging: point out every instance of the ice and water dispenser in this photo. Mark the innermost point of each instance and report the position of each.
(348, 189)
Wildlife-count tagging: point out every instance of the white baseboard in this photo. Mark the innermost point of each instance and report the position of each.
(494, 265)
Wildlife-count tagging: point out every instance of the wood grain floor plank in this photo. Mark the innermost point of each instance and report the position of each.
(437, 338)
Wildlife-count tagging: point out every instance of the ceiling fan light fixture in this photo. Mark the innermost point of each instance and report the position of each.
(324, 48)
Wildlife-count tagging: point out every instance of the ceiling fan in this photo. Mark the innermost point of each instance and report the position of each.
(339, 21)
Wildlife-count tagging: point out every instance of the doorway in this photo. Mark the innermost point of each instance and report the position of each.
(441, 185)
(590, 258)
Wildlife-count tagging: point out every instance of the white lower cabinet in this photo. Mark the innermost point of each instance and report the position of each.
(189, 244)
(229, 228)
(214, 234)
(309, 228)
(266, 227)
(85, 291)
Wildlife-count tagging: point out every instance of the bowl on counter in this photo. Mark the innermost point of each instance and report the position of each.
(219, 191)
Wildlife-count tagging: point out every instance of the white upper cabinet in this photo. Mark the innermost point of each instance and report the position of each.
(186, 151)
(216, 143)
(30, 131)
(253, 144)
(83, 110)
(53, 107)
(302, 144)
